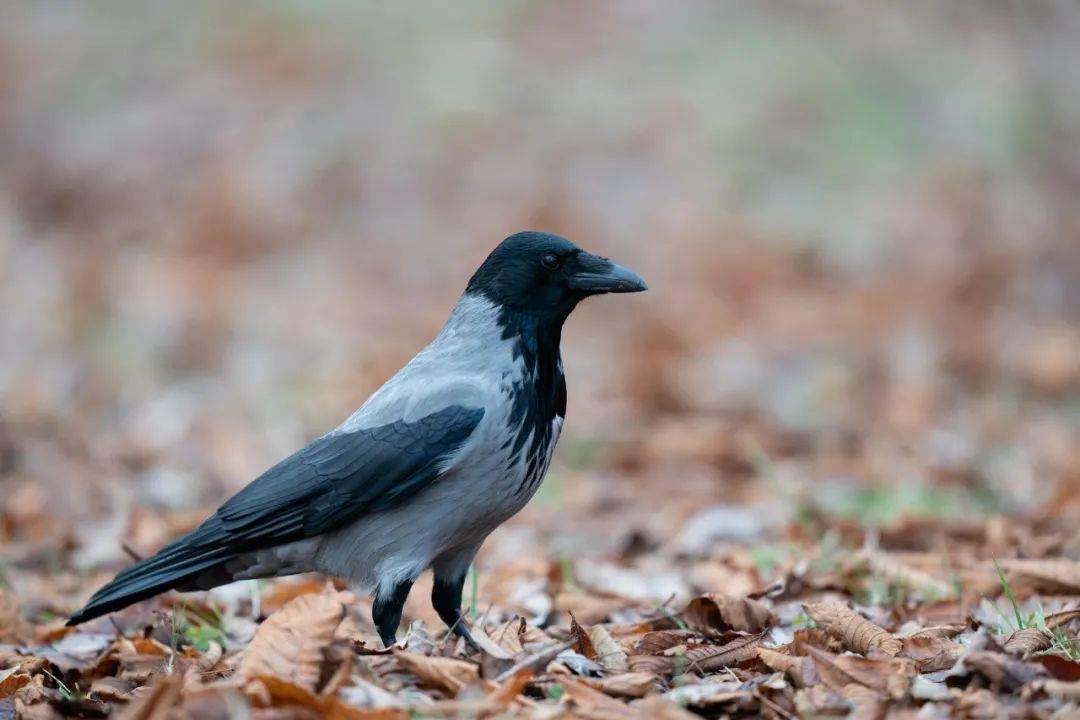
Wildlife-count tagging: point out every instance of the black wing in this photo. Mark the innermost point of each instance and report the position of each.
(332, 481)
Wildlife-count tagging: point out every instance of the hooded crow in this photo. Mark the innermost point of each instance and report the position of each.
(447, 450)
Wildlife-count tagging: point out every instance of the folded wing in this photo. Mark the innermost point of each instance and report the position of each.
(334, 480)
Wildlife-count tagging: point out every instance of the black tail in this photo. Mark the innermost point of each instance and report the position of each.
(175, 566)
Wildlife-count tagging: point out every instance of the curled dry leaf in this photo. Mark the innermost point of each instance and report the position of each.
(709, 658)
(289, 645)
(447, 674)
(800, 669)
(658, 641)
(931, 653)
(890, 676)
(1026, 641)
(728, 612)
(582, 642)
(1064, 617)
(856, 632)
(626, 684)
(609, 653)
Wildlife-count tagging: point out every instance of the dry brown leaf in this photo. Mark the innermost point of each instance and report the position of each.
(709, 658)
(658, 641)
(930, 652)
(289, 645)
(712, 694)
(111, 689)
(589, 608)
(939, 631)
(866, 704)
(1057, 667)
(594, 702)
(891, 676)
(280, 594)
(1001, 670)
(609, 653)
(273, 692)
(508, 636)
(158, 703)
(446, 674)
(582, 642)
(508, 691)
(11, 681)
(1025, 641)
(728, 612)
(1062, 690)
(856, 632)
(657, 707)
(1064, 617)
(800, 669)
(13, 627)
(820, 701)
(1056, 575)
(626, 684)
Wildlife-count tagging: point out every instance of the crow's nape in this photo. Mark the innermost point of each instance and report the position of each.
(176, 566)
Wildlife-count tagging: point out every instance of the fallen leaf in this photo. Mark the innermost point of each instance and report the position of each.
(856, 632)
(657, 707)
(1064, 617)
(289, 645)
(800, 669)
(1001, 670)
(658, 641)
(931, 653)
(711, 695)
(1025, 641)
(890, 676)
(593, 702)
(582, 641)
(11, 680)
(626, 684)
(821, 701)
(727, 612)
(707, 658)
(609, 653)
(158, 703)
(13, 627)
(1060, 689)
(1056, 575)
(273, 692)
(447, 674)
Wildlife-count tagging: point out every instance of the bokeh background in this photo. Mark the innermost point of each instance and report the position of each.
(223, 225)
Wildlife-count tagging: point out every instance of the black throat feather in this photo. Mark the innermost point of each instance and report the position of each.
(539, 396)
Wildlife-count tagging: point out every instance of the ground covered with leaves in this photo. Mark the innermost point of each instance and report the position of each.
(927, 619)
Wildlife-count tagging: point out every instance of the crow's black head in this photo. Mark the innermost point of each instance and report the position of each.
(535, 271)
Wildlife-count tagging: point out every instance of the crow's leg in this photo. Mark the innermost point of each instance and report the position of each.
(386, 612)
(450, 571)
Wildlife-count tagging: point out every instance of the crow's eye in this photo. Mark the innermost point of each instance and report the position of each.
(550, 261)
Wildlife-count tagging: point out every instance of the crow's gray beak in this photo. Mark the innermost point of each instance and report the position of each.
(599, 275)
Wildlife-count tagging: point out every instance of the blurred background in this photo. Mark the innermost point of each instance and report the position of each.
(222, 226)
